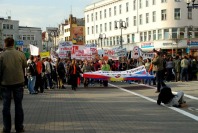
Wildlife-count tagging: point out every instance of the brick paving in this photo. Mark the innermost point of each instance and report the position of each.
(99, 110)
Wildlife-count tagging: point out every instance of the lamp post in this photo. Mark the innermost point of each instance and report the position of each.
(189, 36)
(191, 4)
(122, 25)
(101, 37)
(54, 34)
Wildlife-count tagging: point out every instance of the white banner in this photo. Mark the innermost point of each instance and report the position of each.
(64, 48)
(34, 50)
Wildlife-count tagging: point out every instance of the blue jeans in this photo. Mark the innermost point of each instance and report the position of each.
(19, 115)
(184, 74)
(49, 80)
(31, 83)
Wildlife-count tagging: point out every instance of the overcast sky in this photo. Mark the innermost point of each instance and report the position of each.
(42, 13)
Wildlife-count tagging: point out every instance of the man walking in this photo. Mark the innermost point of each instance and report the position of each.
(12, 67)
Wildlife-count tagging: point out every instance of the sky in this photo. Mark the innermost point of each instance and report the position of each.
(42, 13)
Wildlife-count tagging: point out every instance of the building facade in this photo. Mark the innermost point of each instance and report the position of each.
(149, 24)
(22, 35)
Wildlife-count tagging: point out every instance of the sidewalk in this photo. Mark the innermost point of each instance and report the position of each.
(98, 110)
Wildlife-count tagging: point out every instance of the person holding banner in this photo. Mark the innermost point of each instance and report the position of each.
(74, 73)
(105, 67)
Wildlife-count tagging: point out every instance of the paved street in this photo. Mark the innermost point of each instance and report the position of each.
(129, 108)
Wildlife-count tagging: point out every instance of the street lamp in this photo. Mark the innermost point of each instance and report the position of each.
(193, 5)
(101, 37)
(189, 36)
(122, 25)
(54, 34)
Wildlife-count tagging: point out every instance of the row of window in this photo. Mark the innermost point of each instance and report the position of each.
(166, 34)
(27, 37)
(7, 35)
(101, 15)
(177, 16)
(8, 26)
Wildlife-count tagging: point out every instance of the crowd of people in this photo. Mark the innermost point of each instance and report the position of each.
(39, 74)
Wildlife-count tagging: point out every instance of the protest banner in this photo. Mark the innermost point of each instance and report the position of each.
(34, 50)
(64, 48)
(44, 54)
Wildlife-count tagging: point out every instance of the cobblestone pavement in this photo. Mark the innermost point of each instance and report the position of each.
(106, 110)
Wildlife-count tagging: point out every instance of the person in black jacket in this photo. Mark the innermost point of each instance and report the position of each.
(167, 97)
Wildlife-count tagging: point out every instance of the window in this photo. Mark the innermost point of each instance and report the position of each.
(105, 27)
(174, 33)
(141, 37)
(147, 18)
(163, 14)
(147, 3)
(96, 28)
(127, 6)
(159, 34)
(24, 37)
(96, 16)
(128, 38)
(32, 37)
(133, 38)
(105, 13)
(11, 26)
(28, 37)
(166, 34)
(134, 4)
(120, 9)
(189, 13)
(110, 41)
(177, 0)
(114, 40)
(177, 14)
(127, 22)
(163, 1)
(100, 28)
(154, 16)
(109, 12)
(154, 2)
(154, 35)
(134, 20)
(87, 30)
(118, 40)
(92, 17)
(140, 4)
(110, 26)
(182, 31)
(145, 36)
(100, 14)
(92, 30)
(149, 35)
(87, 18)
(114, 10)
(7, 26)
(140, 21)
(107, 41)
(4, 26)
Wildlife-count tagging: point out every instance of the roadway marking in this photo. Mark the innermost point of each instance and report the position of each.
(152, 100)
(193, 109)
(188, 96)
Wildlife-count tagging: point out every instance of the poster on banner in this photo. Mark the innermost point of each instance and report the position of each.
(132, 74)
(44, 54)
(137, 52)
(63, 48)
(78, 52)
(121, 52)
(91, 49)
(34, 50)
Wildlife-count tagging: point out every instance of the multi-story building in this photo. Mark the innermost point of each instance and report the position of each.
(8, 28)
(149, 24)
(30, 35)
(22, 35)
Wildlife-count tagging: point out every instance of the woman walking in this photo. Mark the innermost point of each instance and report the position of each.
(74, 73)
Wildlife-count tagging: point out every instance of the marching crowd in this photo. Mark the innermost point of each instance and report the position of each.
(45, 74)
